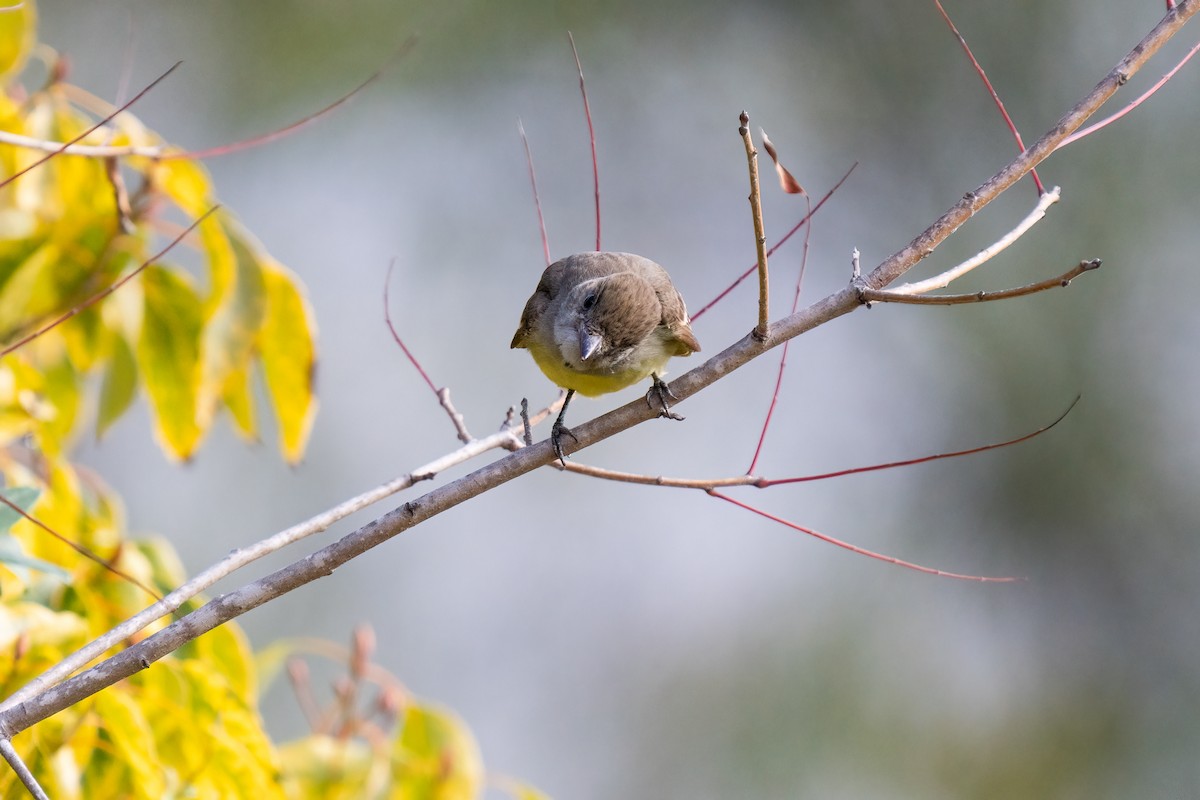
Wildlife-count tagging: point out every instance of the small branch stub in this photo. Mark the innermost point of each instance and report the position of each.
(760, 237)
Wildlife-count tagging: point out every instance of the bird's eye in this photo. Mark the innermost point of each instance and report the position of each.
(589, 301)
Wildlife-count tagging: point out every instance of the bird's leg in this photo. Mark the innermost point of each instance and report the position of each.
(558, 429)
(660, 392)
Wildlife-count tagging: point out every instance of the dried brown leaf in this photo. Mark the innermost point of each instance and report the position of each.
(786, 182)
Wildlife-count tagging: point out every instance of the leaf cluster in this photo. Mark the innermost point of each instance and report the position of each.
(89, 320)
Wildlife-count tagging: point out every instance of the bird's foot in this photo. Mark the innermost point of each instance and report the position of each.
(660, 392)
(557, 431)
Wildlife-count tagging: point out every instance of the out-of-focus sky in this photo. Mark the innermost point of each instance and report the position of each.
(610, 641)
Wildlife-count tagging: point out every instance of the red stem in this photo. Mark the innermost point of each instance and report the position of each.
(266, 138)
(537, 200)
(765, 482)
(863, 551)
(387, 317)
(587, 112)
(762, 437)
(1079, 134)
(992, 91)
(98, 125)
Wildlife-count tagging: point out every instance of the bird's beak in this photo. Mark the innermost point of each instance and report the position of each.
(589, 343)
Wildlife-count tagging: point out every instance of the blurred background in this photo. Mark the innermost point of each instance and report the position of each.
(608, 641)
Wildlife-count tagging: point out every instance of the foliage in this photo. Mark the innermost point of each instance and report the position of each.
(188, 334)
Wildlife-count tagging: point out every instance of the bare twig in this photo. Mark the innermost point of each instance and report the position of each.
(885, 296)
(762, 436)
(760, 237)
(24, 340)
(18, 715)
(23, 774)
(757, 482)
(1045, 200)
(80, 549)
(112, 170)
(971, 203)
(1090, 129)
(58, 149)
(537, 200)
(387, 318)
(460, 424)
(246, 555)
(770, 252)
(167, 153)
(861, 550)
(443, 394)
(587, 113)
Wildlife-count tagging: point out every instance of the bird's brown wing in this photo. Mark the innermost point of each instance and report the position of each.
(675, 319)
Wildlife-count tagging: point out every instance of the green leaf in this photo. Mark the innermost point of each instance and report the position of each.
(31, 292)
(119, 386)
(23, 497)
(168, 357)
(13, 556)
(436, 758)
(288, 350)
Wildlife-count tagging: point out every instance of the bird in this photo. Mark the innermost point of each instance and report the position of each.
(601, 321)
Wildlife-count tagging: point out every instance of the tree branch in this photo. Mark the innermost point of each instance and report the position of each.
(928, 240)
(19, 715)
(886, 296)
(1045, 200)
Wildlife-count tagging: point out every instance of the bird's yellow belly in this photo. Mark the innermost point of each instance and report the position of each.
(591, 384)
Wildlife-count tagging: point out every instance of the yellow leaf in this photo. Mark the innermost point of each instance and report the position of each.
(184, 181)
(61, 390)
(239, 399)
(168, 357)
(287, 347)
(435, 757)
(135, 771)
(18, 32)
(237, 307)
(226, 652)
(324, 768)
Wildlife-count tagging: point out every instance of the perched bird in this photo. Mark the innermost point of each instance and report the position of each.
(599, 322)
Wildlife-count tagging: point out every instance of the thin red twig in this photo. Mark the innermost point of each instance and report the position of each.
(98, 125)
(78, 548)
(387, 317)
(762, 437)
(587, 112)
(1079, 134)
(537, 200)
(266, 138)
(106, 292)
(862, 551)
(991, 90)
(771, 251)
(765, 482)
(127, 56)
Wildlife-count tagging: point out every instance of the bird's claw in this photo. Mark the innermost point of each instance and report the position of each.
(661, 392)
(556, 434)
